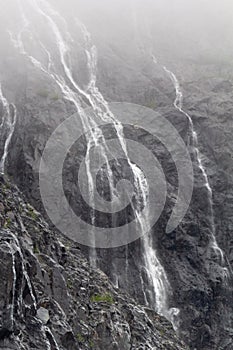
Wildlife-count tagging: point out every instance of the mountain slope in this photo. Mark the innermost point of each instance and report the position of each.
(52, 299)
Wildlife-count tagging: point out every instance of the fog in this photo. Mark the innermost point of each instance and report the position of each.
(184, 27)
(193, 29)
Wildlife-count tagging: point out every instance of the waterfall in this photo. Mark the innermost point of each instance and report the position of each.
(159, 288)
(11, 306)
(178, 104)
(7, 127)
(74, 94)
(55, 344)
(15, 247)
(81, 97)
(11, 241)
(159, 285)
(45, 338)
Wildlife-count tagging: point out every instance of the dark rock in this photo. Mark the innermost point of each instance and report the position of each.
(44, 304)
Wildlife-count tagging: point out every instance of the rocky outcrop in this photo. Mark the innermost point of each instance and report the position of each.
(50, 298)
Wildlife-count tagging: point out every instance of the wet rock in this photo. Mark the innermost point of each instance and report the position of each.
(43, 315)
(200, 278)
(44, 304)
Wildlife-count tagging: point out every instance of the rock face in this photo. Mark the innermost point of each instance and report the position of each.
(50, 298)
(200, 288)
(200, 277)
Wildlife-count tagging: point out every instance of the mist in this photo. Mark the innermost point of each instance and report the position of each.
(196, 30)
(184, 28)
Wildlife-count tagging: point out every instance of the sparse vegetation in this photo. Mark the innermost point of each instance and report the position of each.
(80, 338)
(91, 344)
(7, 222)
(102, 298)
(31, 212)
(36, 249)
(69, 283)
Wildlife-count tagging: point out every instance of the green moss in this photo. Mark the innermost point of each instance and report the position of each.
(31, 212)
(36, 249)
(162, 332)
(7, 223)
(8, 186)
(91, 344)
(102, 298)
(80, 338)
(69, 283)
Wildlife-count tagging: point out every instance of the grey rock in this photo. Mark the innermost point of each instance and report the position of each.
(43, 315)
(50, 297)
(62, 279)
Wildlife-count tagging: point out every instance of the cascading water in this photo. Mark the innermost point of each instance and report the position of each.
(19, 281)
(50, 334)
(91, 96)
(178, 104)
(11, 305)
(160, 287)
(74, 94)
(7, 126)
(159, 284)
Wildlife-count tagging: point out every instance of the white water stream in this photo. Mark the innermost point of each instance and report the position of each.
(178, 104)
(7, 127)
(17, 295)
(73, 92)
